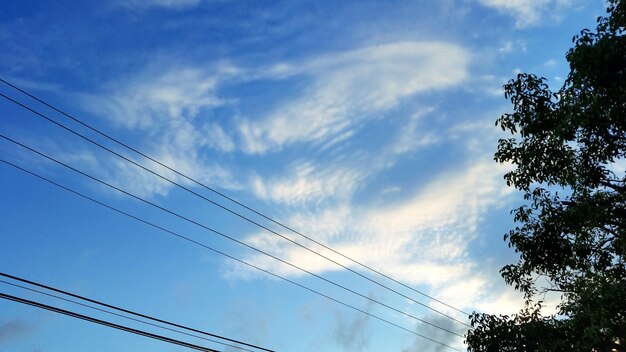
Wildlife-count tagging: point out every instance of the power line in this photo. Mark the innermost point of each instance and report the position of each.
(106, 323)
(124, 316)
(182, 217)
(227, 209)
(183, 237)
(234, 201)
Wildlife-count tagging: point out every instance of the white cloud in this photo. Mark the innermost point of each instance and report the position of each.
(215, 137)
(510, 46)
(422, 240)
(310, 183)
(410, 137)
(349, 87)
(527, 12)
(170, 110)
(157, 97)
(506, 301)
(306, 182)
(136, 181)
(551, 63)
(506, 48)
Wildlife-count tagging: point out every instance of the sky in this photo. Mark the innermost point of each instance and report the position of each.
(367, 126)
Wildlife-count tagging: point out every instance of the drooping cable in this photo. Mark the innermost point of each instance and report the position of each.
(126, 311)
(106, 323)
(231, 238)
(234, 201)
(188, 239)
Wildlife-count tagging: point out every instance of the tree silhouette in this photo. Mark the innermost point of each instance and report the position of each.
(568, 150)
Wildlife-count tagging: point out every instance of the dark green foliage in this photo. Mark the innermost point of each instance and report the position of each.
(571, 232)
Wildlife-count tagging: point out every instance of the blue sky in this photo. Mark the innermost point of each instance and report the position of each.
(366, 125)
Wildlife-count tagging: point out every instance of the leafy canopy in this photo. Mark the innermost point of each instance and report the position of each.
(568, 150)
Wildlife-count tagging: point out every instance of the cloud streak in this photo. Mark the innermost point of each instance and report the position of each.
(527, 12)
(157, 96)
(308, 183)
(422, 240)
(170, 110)
(351, 87)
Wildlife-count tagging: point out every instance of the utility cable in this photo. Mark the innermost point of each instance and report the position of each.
(227, 209)
(188, 239)
(236, 202)
(182, 217)
(121, 315)
(106, 323)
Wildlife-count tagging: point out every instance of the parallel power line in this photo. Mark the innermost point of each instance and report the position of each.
(231, 238)
(128, 312)
(106, 323)
(135, 150)
(124, 316)
(188, 239)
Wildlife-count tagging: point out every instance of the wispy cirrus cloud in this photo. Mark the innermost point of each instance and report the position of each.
(353, 86)
(422, 240)
(412, 135)
(157, 96)
(313, 182)
(170, 109)
(307, 182)
(528, 12)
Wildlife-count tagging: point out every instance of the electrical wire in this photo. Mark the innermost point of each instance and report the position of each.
(124, 316)
(188, 239)
(229, 210)
(234, 201)
(182, 217)
(106, 323)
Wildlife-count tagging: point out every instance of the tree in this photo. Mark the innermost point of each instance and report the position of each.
(568, 152)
